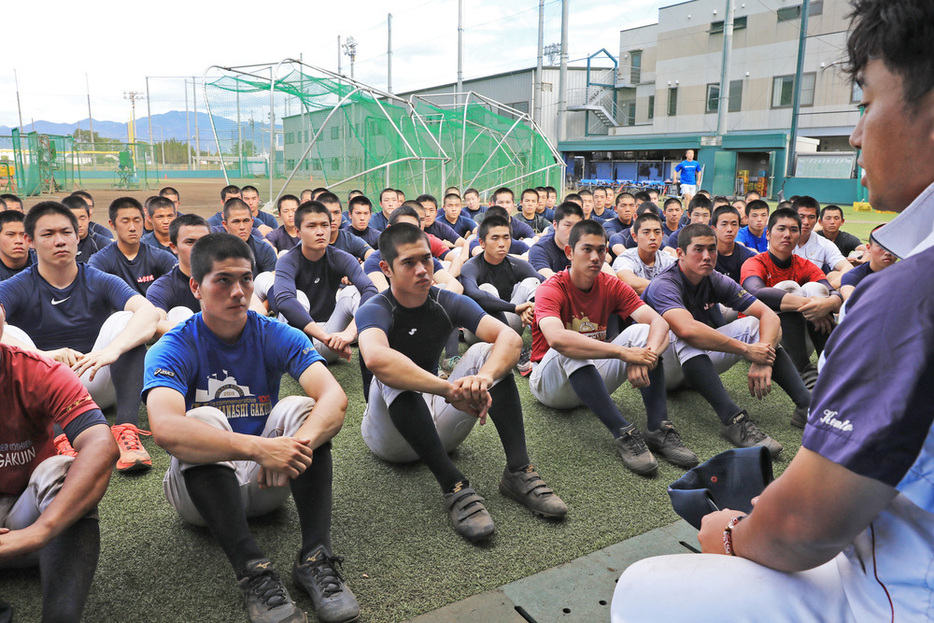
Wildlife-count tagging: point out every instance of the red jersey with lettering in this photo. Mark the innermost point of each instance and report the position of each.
(801, 271)
(584, 312)
(34, 392)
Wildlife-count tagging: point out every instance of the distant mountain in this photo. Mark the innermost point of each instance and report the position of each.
(165, 126)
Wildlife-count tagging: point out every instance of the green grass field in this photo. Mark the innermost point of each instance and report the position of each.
(401, 556)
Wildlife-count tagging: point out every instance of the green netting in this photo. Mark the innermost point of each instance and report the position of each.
(44, 164)
(334, 132)
(130, 166)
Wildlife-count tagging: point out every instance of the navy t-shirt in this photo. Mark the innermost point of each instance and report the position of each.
(100, 230)
(442, 231)
(853, 277)
(672, 290)
(503, 276)
(378, 221)
(518, 229)
(368, 235)
(281, 240)
(241, 379)
(320, 280)
(624, 238)
(6, 272)
(152, 241)
(91, 244)
(462, 227)
(473, 214)
(149, 264)
(614, 225)
(261, 218)
(871, 410)
(68, 317)
(546, 255)
(349, 243)
(420, 333)
(264, 253)
(732, 265)
(173, 290)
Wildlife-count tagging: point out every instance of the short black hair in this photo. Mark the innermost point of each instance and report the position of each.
(317, 192)
(497, 211)
(285, 198)
(354, 193)
(124, 203)
(783, 204)
(229, 190)
(427, 198)
(644, 218)
(502, 190)
(186, 220)
(700, 201)
(7, 197)
(235, 204)
(585, 228)
(692, 231)
(403, 211)
(168, 190)
(551, 189)
(11, 216)
(73, 202)
(566, 209)
(672, 200)
(386, 190)
(217, 247)
(648, 206)
(621, 195)
(360, 200)
(642, 196)
(727, 209)
(45, 208)
(898, 32)
(250, 188)
(451, 196)
(756, 204)
(394, 237)
(835, 208)
(328, 197)
(574, 198)
(310, 207)
(805, 201)
(489, 223)
(160, 203)
(472, 191)
(80, 193)
(528, 191)
(585, 193)
(780, 213)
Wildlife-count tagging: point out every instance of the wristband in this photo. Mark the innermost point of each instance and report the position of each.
(728, 535)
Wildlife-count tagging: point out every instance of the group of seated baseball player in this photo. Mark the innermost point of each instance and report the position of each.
(199, 318)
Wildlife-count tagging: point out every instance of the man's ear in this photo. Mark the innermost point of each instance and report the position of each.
(568, 251)
(384, 266)
(195, 287)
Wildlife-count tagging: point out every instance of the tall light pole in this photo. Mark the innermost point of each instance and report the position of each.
(350, 49)
(563, 75)
(537, 96)
(133, 96)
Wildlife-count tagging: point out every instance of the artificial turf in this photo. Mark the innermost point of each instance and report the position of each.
(402, 557)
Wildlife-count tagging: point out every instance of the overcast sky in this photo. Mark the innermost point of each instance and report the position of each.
(118, 44)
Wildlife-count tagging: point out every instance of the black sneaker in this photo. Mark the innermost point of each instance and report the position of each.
(742, 432)
(527, 488)
(525, 362)
(332, 598)
(800, 417)
(469, 515)
(266, 599)
(809, 375)
(635, 454)
(667, 442)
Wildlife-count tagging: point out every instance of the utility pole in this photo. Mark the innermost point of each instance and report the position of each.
(389, 52)
(149, 113)
(187, 126)
(19, 109)
(537, 116)
(132, 96)
(802, 43)
(724, 103)
(339, 73)
(350, 49)
(552, 51)
(460, 46)
(90, 117)
(194, 100)
(563, 76)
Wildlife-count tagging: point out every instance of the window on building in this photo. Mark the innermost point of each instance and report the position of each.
(672, 101)
(335, 164)
(336, 132)
(736, 96)
(713, 97)
(783, 88)
(716, 28)
(816, 7)
(635, 66)
(631, 113)
(788, 13)
(651, 107)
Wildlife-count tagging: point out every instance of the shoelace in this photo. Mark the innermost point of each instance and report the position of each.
(752, 432)
(129, 440)
(635, 444)
(327, 575)
(269, 589)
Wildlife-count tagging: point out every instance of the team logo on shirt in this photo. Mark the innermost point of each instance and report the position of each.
(21, 453)
(830, 419)
(232, 398)
(163, 372)
(587, 327)
(54, 302)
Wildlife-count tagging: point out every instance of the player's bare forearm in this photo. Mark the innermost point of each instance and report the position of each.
(770, 325)
(575, 345)
(395, 369)
(504, 355)
(85, 484)
(315, 331)
(633, 281)
(793, 302)
(327, 416)
(140, 328)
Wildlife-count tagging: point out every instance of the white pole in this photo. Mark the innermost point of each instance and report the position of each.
(538, 68)
(724, 102)
(389, 52)
(460, 46)
(563, 75)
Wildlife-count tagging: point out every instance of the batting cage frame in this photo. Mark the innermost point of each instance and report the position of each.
(342, 134)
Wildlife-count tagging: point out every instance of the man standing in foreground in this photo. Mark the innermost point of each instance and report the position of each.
(846, 533)
(212, 391)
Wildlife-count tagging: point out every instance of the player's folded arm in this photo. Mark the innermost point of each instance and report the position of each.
(327, 417)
